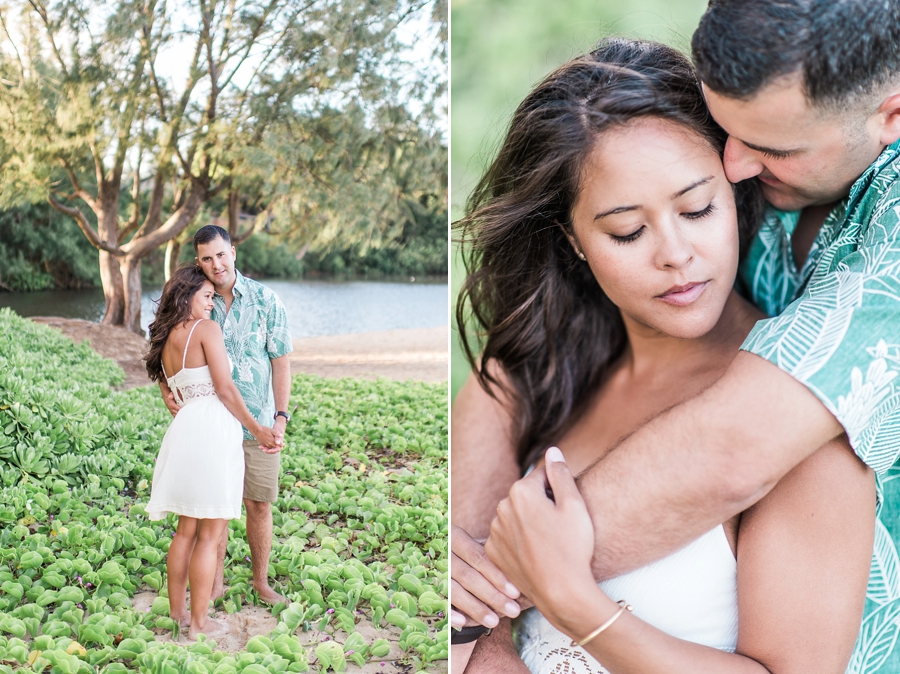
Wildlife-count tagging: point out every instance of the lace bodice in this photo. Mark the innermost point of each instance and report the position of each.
(196, 382)
(190, 382)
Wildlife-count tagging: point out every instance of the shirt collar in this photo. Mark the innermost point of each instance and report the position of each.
(887, 156)
(240, 284)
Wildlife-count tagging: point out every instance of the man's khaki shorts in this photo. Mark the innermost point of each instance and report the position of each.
(260, 473)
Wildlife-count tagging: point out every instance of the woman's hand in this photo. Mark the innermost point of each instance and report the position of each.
(477, 584)
(265, 436)
(544, 547)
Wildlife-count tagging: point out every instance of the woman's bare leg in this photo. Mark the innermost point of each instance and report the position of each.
(202, 573)
(177, 566)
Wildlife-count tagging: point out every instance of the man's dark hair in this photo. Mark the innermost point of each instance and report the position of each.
(844, 49)
(209, 233)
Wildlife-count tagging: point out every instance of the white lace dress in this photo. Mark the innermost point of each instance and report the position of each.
(691, 594)
(200, 468)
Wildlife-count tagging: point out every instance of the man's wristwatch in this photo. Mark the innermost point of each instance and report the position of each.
(279, 413)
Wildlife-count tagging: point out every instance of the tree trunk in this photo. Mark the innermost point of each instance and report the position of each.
(110, 272)
(173, 252)
(113, 289)
(131, 273)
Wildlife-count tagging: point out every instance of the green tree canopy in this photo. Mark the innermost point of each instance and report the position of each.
(130, 116)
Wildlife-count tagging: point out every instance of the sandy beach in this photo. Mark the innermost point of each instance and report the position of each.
(420, 354)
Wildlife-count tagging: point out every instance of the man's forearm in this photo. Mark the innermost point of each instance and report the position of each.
(496, 653)
(281, 382)
(699, 463)
(483, 465)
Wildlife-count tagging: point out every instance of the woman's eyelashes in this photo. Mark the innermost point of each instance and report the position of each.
(691, 215)
(628, 238)
(696, 215)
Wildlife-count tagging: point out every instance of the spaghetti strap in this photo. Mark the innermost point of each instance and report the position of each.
(184, 355)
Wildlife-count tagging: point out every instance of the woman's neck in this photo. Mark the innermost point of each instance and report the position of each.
(650, 353)
(655, 372)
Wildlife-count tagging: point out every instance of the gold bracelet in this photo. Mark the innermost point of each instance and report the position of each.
(622, 608)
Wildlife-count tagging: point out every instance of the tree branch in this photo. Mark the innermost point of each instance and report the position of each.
(85, 226)
(18, 56)
(135, 220)
(175, 225)
(82, 193)
(98, 168)
(154, 211)
(42, 12)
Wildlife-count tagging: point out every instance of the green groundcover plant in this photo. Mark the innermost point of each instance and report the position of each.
(360, 523)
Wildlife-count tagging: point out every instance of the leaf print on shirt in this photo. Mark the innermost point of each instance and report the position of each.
(890, 352)
(881, 437)
(884, 577)
(877, 639)
(256, 331)
(773, 280)
(807, 339)
(857, 409)
(854, 264)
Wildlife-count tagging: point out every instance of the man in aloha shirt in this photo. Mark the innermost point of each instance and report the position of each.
(829, 165)
(258, 341)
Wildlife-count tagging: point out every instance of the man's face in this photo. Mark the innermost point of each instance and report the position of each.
(802, 156)
(216, 259)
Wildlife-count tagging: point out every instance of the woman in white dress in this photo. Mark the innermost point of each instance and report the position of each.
(603, 250)
(199, 472)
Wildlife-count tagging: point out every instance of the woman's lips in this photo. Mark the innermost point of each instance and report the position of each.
(681, 296)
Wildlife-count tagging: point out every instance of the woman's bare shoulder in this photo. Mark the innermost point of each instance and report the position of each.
(208, 327)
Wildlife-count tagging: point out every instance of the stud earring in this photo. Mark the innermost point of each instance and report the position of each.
(581, 256)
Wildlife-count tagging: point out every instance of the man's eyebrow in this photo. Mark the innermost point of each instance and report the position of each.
(679, 193)
(769, 150)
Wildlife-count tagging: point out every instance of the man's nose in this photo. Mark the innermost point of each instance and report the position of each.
(740, 161)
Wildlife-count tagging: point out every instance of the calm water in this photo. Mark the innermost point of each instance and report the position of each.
(314, 308)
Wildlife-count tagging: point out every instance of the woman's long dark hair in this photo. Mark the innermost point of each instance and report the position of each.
(537, 309)
(174, 308)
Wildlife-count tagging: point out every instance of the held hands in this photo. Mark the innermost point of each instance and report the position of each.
(267, 439)
(477, 584)
(544, 547)
(278, 443)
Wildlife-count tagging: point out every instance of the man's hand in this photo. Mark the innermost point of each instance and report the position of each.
(477, 584)
(278, 430)
(168, 398)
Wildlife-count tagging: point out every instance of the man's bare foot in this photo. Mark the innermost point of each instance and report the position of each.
(213, 629)
(218, 592)
(269, 596)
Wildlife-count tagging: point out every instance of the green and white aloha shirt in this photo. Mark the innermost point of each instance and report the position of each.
(836, 329)
(256, 331)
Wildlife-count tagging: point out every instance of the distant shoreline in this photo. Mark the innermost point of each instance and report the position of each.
(419, 354)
